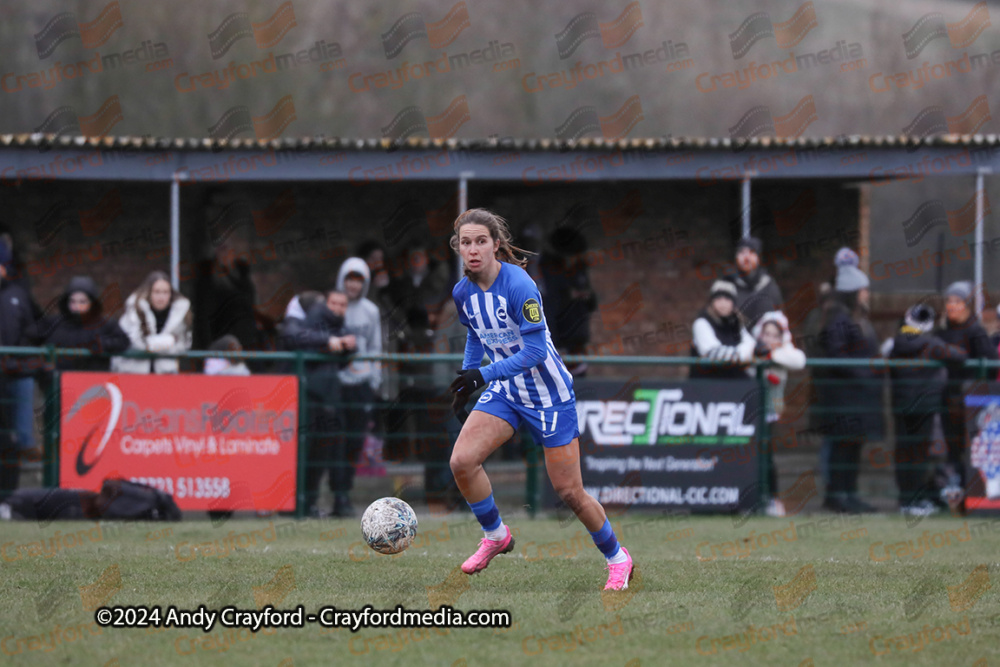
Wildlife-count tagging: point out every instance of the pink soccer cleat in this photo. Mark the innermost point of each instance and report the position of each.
(619, 575)
(487, 550)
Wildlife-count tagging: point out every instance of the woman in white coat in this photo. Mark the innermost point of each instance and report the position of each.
(157, 319)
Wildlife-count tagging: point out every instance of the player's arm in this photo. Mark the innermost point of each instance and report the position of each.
(526, 313)
(529, 356)
(462, 388)
(473, 351)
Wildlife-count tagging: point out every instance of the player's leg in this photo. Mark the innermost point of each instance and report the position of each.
(563, 466)
(481, 435)
(557, 428)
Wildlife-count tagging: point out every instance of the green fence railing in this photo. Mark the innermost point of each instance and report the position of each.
(43, 361)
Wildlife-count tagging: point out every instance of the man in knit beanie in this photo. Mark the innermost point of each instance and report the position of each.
(756, 291)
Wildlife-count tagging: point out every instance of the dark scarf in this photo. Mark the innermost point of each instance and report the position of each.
(161, 317)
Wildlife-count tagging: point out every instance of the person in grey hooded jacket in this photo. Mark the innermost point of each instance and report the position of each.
(361, 380)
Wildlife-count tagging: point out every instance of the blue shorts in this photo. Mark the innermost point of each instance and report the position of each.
(551, 427)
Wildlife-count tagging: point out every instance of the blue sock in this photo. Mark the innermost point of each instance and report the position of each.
(487, 513)
(606, 541)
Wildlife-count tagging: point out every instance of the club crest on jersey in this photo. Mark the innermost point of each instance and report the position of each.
(532, 311)
(502, 314)
(486, 397)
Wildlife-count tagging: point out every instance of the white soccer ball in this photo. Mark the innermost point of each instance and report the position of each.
(389, 525)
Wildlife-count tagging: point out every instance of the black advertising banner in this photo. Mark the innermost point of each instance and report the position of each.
(688, 446)
(982, 419)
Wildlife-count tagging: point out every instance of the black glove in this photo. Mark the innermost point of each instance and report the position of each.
(467, 382)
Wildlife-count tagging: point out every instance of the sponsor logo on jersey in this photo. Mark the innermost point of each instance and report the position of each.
(532, 311)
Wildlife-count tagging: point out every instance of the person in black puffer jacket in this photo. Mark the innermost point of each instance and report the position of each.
(962, 329)
(917, 395)
(850, 397)
(81, 324)
(718, 333)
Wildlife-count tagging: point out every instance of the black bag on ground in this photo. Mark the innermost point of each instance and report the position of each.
(51, 504)
(120, 499)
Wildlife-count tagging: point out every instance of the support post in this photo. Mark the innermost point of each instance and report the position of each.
(980, 205)
(175, 232)
(745, 204)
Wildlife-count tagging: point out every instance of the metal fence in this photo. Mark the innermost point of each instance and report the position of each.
(420, 424)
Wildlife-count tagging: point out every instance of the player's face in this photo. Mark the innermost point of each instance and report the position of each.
(747, 260)
(476, 246)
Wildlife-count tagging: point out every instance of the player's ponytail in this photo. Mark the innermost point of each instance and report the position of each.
(499, 231)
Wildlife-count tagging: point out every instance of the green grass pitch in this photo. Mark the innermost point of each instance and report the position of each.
(806, 590)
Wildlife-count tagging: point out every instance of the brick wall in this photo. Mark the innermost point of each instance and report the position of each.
(654, 248)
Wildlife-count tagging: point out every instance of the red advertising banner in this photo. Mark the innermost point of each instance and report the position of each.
(213, 442)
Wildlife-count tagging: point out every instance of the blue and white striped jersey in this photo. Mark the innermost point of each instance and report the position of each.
(500, 317)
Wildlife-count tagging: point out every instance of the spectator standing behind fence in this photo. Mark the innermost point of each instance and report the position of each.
(718, 333)
(17, 322)
(850, 397)
(774, 343)
(81, 324)
(321, 330)
(962, 329)
(917, 395)
(226, 365)
(756, 291)
(157, 318)
(224, 298)
(812, 328)
(423, 283)
(361, 380)
(295, 319)
(569, 297)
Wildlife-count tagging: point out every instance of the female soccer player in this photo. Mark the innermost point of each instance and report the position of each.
(528, 383)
